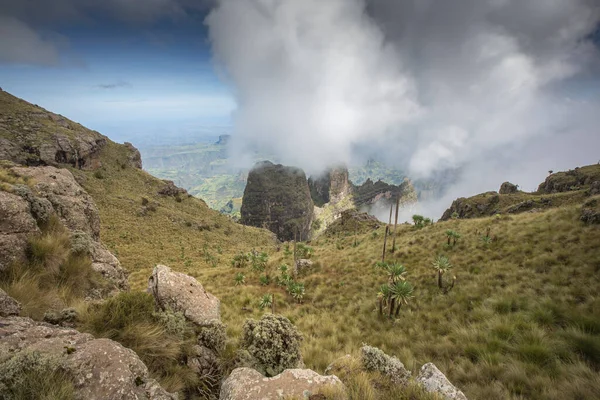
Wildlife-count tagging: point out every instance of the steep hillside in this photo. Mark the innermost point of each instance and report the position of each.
(139, 225)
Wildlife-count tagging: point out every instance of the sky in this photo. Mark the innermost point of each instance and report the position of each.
(493, 89)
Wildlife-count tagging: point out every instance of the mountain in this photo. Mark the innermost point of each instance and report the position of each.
(517, 314)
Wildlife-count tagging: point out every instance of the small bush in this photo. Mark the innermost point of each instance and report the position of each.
(213, 336)
(373, 359)
(273, 343)
(98, 174)
(32, 375)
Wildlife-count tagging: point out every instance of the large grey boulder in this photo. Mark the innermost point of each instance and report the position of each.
(508, 188)
(8, 305)
(248, 384)
(181, 292)
(434, 381)
(100, 368)
(16, 225)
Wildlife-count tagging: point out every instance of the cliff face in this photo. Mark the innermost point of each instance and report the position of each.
(330, 187)
(278, 198)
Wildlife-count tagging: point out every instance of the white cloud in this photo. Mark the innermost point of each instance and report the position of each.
(20, 44)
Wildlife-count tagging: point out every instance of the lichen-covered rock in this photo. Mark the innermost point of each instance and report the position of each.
(277, 198)
(100, 368)
(204, 362)
(16, 225)
(181, 292)
(508, 188)
(433, 381)
(8, 305)
(373, 359)
(65, 317)
(104, 262)
(272, 344)
(73, 205)
(248, 384)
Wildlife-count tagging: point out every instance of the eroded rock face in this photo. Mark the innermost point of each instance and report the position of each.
(180, 292)
(8, 305)
(248, 384)
(574, 179)
(330, 187)
(70, 201)
(481, 205)
(101, 368)
(54, 191)
(16, 225)
(433, 381)
(278, 198)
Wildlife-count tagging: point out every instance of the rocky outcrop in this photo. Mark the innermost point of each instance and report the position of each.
(302, 265)
(99, 368)
(73, 205)
(54, 191)
(477, 206)
(8, 305)
(433, 381)
(278, 198)
(595, 188)
(574, 179)
(182, 293)
(30, 135)
(134, 158)
(16, 225)
(169, 189)
(330, 187)
(248, 384)
(508, 188)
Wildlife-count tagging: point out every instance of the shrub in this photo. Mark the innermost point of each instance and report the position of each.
(213, 336)
(273, 343)
(373, 359)
(32, 375)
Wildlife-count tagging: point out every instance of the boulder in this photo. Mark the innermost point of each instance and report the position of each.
(16, 225)
(434, 381)
(180, 292)
(65, 317)
(277, 198)
(302, 265)
(373, 359)
(508, 188)
(8, 305)
(248, 384)
(108, 265)
(595, 188)
(99, 368)
(73, 205)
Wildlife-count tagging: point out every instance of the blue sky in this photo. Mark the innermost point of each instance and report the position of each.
(128, 79)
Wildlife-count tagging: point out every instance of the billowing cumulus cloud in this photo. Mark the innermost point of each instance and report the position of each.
(469, 84)
(20, 44)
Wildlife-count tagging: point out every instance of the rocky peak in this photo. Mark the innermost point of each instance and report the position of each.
(277, 197)
(330, 187)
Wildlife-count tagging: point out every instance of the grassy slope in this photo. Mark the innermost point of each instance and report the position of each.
(522, 322)
(170, 235)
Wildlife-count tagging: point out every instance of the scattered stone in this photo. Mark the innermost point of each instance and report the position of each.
(180, 292)
(508, 188)
(100, 368)
(248, 384)
(302, 265)
(373, 359)
(8, 305)
(434, 381)
(65, 317)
